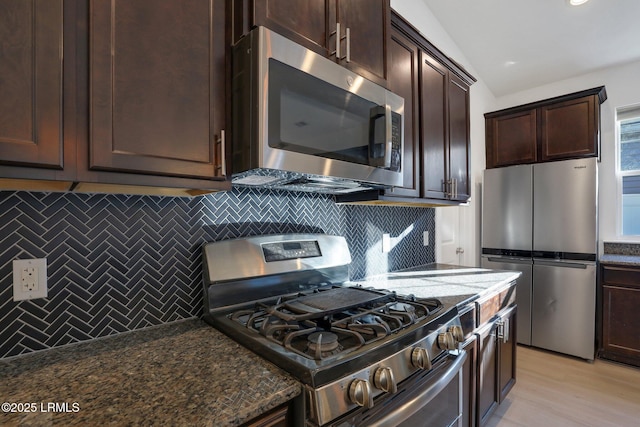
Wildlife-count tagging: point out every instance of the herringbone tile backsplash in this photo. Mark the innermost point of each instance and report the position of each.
(118, 263)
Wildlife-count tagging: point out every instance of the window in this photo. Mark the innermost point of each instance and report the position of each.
(629, 168)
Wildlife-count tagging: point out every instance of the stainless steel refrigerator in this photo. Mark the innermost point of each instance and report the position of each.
(541, 219)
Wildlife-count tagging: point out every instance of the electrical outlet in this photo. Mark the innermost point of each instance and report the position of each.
(29, 279)
(386, 243)
(425, 238)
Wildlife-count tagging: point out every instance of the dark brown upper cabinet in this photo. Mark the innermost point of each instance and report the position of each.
(106, 93)
(157, 76)
(559, 139)
(436, 94)
(404, 66)
(512, 139)
(459, 141)
(360, 44)
(559, 128)
(31, 87)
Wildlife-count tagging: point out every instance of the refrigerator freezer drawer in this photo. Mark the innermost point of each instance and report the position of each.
(523, 291)
(564, 304)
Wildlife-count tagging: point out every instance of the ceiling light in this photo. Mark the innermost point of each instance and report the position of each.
(577, 2)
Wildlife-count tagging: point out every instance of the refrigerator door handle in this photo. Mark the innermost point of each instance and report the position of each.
(561, 264)
(510, 260)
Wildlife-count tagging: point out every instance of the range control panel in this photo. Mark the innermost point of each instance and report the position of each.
(282, 251)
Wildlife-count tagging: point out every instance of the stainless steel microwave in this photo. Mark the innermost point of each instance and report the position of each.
(298, 114)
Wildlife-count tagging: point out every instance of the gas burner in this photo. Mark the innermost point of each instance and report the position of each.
(369, 324)
(401, 306)
(323, 344)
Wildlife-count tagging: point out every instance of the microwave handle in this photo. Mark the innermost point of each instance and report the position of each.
(377, 113)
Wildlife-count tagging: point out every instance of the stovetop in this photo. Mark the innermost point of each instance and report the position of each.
(333, 321)
(288, 298)
(321, 346)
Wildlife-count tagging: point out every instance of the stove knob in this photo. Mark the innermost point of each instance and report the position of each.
(420, 358)
(457, 333)
(383, 379)
(360, 393)
(446, 341)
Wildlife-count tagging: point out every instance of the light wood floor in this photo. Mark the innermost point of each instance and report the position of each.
(553, 390)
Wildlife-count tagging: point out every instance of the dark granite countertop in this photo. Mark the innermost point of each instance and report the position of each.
(453, 285)
(184, 373)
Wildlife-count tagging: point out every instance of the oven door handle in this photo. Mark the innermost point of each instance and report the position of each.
(394, 418)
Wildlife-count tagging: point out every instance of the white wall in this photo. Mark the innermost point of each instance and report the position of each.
(482, 100)
(623, 88)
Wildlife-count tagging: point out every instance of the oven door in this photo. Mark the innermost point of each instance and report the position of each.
(431, 399)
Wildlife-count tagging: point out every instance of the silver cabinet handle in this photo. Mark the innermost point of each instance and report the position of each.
(338, 39)
(348, 44)
(500, 330)
(506, 330)
(503, 330)
(445, 188)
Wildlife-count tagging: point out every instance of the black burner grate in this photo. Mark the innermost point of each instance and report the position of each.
(335, 300)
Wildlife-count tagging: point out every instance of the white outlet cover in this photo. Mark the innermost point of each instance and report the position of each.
(425, 238)
(40, 290)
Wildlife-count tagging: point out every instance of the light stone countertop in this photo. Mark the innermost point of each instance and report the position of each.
(453, 285)
(630, 260)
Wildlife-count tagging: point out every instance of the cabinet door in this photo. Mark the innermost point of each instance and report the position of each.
(368, 22)
(305, 22)
(512, 139)
(31, 40)
(156, 86)
(570, 129)
(459, 160)
(275, 418)
(620, 320)
(469, 381)
(435, 132)
(507, 328)
(403, 80)
(488, 391)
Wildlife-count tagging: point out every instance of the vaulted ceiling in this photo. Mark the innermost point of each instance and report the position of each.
(515, 45)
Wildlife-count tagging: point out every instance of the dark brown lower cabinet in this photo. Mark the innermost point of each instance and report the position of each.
(275, 418)
(496, 362)
(620, 320)
(469, 381)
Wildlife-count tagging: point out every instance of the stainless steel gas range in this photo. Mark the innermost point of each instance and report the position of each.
(365, 356)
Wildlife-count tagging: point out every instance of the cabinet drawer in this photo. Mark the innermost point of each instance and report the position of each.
(621, 276)
(468, 319)
(487, 307)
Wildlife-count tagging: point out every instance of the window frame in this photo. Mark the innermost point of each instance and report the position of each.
(628, 113)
